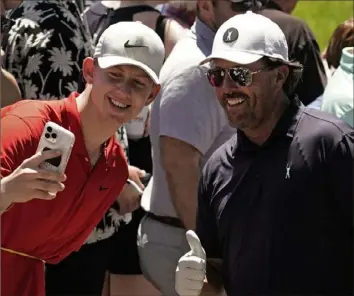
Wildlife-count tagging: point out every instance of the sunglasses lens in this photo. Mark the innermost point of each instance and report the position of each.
(242, 76)
(216, 77)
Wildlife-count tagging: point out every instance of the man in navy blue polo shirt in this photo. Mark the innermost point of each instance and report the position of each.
(275, 203)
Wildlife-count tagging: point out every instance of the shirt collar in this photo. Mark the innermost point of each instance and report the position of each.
(346, 61)
(202, 30)
(285, 128)
(112, 149)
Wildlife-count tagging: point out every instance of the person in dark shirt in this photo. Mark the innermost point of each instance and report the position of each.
(303, 48)
(275, 203)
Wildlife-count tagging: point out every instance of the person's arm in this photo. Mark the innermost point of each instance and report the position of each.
(207, 232)
(10, 92)
(341, 176)
(181, 163)
(173, 32)
(340, 184)
(314, 79)
(21, 178)
(129, 198)
(187, 131)
(198, 271)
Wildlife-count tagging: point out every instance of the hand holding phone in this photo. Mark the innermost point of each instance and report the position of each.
(29, 181)
(42, 175)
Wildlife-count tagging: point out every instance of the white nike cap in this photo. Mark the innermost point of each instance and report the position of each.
(246, 38)
(131, 43)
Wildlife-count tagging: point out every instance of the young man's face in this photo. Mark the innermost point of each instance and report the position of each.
(120, 92)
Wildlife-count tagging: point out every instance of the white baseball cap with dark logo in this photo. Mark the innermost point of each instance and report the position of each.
(246, 38)
(131, 43)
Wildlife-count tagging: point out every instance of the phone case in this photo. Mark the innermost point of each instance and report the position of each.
(56, 137)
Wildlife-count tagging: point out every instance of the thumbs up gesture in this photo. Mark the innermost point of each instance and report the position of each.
(191, 268)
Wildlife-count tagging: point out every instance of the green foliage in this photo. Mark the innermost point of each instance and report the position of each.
(324, 16)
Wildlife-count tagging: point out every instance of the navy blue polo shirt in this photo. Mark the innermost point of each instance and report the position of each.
(280, 215)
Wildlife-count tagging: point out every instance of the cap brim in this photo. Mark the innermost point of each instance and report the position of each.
(238, 57)
(111, 61)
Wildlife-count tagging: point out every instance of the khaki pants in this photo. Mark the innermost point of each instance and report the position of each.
(160, 247)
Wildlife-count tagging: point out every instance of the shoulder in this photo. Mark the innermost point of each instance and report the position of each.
(219, 161)
(293, 27)
(185, 55)
(189, 81)
(184, 75)
(22, 123)
(339, 89)
(173, 32)
(32, 112)
(280, 17)
(21, 128)
(325, 131)
(188, 90)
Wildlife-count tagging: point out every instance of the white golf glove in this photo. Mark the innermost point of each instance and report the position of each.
(191, 268)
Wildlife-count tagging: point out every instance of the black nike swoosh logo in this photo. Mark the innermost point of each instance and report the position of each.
(103, 188)
(127, 45)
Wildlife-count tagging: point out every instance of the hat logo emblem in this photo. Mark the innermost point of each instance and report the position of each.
(230, 35)
(128, 45)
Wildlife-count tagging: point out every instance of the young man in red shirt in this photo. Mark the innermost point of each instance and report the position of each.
(36, 227)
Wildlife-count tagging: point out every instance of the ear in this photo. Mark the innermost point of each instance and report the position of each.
(206, 9)
(153, 94)
(88, 68)
(282, 75)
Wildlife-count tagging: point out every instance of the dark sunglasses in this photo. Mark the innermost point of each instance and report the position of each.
(241, 76)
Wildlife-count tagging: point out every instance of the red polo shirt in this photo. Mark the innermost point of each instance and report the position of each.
(51, 230)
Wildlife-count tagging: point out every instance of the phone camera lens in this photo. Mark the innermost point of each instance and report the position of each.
(49, 129)
(54, 135)
(47, 135)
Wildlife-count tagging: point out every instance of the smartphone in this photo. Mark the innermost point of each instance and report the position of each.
(56, 137)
